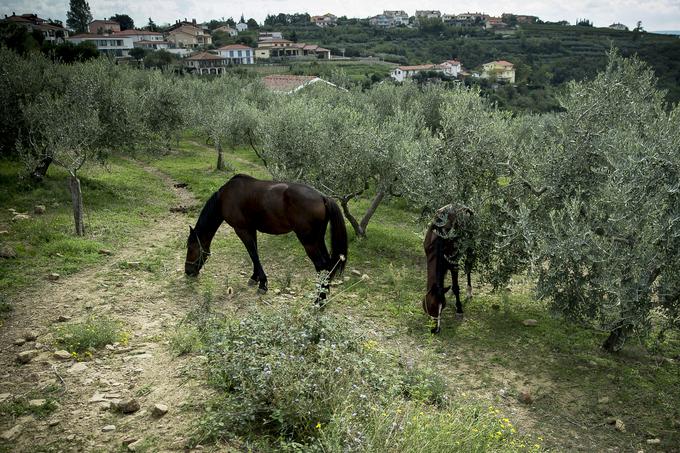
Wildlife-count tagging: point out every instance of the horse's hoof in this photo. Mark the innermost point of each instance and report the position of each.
(436, 330)
(261, 291)
(252, 282)
(459, 316)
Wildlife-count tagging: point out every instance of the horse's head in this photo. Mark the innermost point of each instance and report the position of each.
(434, 302)
(197, 255)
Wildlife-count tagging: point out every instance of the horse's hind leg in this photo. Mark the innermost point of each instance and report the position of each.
(249, 239)
(456, 291)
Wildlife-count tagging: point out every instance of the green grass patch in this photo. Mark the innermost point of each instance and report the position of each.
(82, 338)
(120, 200)
(40, 404)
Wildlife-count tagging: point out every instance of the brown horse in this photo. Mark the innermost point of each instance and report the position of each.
(449, 236)
(250, 205)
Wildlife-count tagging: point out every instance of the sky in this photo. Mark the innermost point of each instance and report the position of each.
(654, 14)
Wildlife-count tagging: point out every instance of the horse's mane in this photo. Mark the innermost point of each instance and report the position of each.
(210, 218)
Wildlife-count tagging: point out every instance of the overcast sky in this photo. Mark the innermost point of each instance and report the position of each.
(654, 14)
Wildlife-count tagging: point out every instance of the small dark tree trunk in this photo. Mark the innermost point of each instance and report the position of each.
(41, 169)
(220, 158)
(360, 227)
(617, 338)
(77, 199)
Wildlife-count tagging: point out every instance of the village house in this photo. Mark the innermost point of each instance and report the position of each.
(103, 27)
(389, 19)
(494, 23)
(283, 48)
(269, 35)
(428, 14)
(241, 26)
(227, 29)
(237, 54)
(150, 40)
(449, 68)
(471, 18)
(501, 70)
(205, 63)
(51, 31)
(327, 20)
(189, 36)
(112, 46)
(139, 35)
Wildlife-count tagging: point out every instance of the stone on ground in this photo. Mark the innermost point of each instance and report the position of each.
(620, 426)
(39, 209)
(7, 252)
(11, 433)
(53, 277)
(27, 356)
(30, 336)
(525, 397)
(62, 355)
(128, 406)
(108, 428)
(77, 368)
(37, 403)
(159, 410)
(530, 322)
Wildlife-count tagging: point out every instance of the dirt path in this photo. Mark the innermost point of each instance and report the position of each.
(144, 369)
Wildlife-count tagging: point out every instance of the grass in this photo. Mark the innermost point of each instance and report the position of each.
(441, 398)
(82, 338)
(119, 200)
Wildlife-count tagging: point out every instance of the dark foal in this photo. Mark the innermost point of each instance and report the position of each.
(250, 205)
(448, 238)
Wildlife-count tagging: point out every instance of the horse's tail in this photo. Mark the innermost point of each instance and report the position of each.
(338, 237)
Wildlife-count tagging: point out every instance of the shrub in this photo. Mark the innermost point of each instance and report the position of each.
(303, 380)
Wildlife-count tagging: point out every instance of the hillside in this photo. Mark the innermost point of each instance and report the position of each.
(546, 56)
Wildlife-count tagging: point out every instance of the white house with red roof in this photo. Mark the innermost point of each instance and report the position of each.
(449, 68)
(237, 54)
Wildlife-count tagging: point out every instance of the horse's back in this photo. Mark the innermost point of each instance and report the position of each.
(272, 207)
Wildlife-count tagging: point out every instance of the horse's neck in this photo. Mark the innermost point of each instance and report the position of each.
(209, 222)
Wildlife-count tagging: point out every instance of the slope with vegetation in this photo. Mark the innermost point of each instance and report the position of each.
(579, 208)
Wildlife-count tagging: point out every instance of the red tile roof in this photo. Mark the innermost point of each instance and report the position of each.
(132, 32)
(286, 83)
(205, 56)
(235, 47)
(503, 63)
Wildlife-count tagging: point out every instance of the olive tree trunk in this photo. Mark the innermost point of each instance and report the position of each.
(360, 226)
(40, 170)
(220, 157)
(77, 200)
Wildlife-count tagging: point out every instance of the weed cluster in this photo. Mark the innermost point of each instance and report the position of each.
(83, 338)
(301, 379)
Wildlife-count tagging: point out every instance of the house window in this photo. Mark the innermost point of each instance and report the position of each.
(239, 53)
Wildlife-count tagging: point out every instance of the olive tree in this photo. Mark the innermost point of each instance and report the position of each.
(465, 162)
(607, 221)
(221, 111)
(334, 141)
(66, 128)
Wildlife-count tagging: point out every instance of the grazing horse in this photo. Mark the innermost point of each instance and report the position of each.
(250, 205)
(449, 236)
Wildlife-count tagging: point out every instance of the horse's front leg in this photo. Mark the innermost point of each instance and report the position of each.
(249, 239)
(456, 291)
